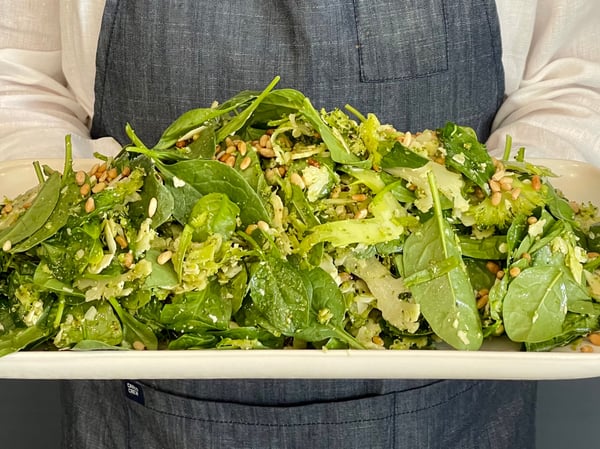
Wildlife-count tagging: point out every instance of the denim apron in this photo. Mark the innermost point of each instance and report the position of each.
(416, 64)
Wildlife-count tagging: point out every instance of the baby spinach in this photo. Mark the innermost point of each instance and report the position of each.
(447, 301)
(279, 295)
(208, 176)
(466, 154)
(536, 303)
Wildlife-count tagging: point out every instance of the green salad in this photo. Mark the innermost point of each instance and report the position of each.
(263, 222)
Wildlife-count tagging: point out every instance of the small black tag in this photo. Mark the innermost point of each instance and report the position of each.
(134, 391)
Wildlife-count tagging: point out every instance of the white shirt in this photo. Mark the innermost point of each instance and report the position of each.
(551, 57)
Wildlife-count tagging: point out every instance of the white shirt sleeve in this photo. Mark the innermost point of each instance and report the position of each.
(551, 55)
(47, 53)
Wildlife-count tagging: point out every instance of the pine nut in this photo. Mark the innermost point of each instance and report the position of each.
(128, 260)
(514, 272)
(112, 173)
(121, 241)
(152, 206)
(266, 152)
(7, 208)
(80, 177)
(482, 301)
(90, 205)
(138, 345)
(359, 197)
(263, 225)
(296, 179)
(494, 185)
(496, 198)
(362, 213)
(99, 187)
(230, 160)
(164, 257)
(492, 267)
(594, 339)
(515, 193)
(85, 189)
(536, 182)
(7, 246)
(245, 163)
(586, 348)
(263, 140)
(126, 171)
(241, 147)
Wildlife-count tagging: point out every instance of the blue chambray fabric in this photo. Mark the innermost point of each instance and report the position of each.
(416, 64)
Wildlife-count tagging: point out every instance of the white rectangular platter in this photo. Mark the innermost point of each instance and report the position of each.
(499, 360)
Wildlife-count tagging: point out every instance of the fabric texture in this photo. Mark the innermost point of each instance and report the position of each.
(293, 414)
(416, 64)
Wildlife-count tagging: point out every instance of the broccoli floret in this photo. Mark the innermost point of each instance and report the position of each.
(500, 208)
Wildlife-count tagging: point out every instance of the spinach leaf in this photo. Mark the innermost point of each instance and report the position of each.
(536, 303)
(208, 176)
(134, 331)
(328, 311)
(279, 295)
(466, 154)
(401, 156)
(448, 300)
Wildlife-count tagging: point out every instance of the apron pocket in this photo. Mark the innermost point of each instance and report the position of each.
(164, 420)
(401, 40)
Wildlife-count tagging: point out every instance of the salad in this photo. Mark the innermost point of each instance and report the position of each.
(263, 222)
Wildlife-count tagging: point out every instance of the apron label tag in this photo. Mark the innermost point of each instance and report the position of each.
(134, 391)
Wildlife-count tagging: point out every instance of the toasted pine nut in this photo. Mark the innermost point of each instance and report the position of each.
(126, 171)
(80, 177)
(536, 182)
(377, 340)
(112, 173)
(514, 272)
(245, 163)
(251, 228)
(266, 152)
(362, 213)
(85, 189)
(138, 345)
(164, 257)
(515, 193)
(7, 208)
(296, 179)
(94, 169)
(496, 198)
(494, 185)
(152, 206)
(492, 267)
(121, 241)
(586, 348)
(594, 339)
(99, 187)
(230, 160)
(90, 205)
(241, 147)
(263, 140)
(359, 197)
(128, 259)
(531, 220)
(482, 301)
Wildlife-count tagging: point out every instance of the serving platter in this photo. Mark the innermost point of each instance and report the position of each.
(498, 359)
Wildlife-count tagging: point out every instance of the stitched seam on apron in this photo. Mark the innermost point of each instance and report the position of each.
(391, 415)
